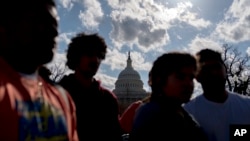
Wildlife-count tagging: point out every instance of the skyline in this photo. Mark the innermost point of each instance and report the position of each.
(148, 28)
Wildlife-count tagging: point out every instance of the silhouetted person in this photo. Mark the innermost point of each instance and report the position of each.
(163, 118)
(216, 109)
(30, 107)
(96, 107)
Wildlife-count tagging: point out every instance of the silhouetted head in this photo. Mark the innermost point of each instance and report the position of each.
(28, 30)
(172, 76)
(85, 53)
(211, 70)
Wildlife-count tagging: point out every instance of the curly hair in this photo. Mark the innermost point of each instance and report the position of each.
(84, 44)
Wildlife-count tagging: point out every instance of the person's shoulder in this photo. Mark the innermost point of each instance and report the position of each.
(135, 105)
(106, 92)
(150, 108)
(147, 112)
(241, 103)
(239, 97)
(192, 104)
(138, 102)
(196, 99)
(132, 108)
(7, 73)
(66, 79)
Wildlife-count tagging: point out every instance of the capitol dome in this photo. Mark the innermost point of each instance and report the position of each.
(129, 72)
(129, 86)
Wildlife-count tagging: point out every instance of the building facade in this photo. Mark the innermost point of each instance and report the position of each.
(129, 86)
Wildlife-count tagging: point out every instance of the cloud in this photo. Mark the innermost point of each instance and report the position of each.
(199, 43)
(92, 15)
(59, 58)
(106, 80)
(120, 61)
(182, 14)
(115, 64)
(68, 4)
(191, 19)
(236, 24)
(139, 63)
(248, 51)
(63, 40)
(145, 23)
(65, 37)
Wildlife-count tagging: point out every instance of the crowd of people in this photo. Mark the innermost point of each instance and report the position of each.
(78, 108)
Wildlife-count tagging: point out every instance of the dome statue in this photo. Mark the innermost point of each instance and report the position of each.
(129, 86)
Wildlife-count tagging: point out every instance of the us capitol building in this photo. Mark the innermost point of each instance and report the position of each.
(129, 86)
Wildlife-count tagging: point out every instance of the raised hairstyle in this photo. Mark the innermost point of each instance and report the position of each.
(82, 45)
(167, 64)
(12, 11)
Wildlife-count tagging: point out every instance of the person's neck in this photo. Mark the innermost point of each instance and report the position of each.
(85, 81)
(216, 96)
(166, 100)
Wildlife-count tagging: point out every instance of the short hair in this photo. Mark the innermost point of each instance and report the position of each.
(84, 44)
(13, 10)
(167, 64)
(209, 54)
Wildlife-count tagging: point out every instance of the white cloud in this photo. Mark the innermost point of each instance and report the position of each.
(145, 23)
(120, 61)
(59, 58)
(248, 51)
(92, 15)
(139, 63)
(115, 59)
(199, 43)
(236, 25)
(106, 80)
(65, 37)
(68, 4)
(179, 37)
(191, 18)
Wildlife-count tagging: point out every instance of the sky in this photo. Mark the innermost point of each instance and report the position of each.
(149, 28)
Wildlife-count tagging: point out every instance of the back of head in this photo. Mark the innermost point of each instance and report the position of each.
(13, 10)
(167, 64)
(212, 71)
(84, 44)
(208, 55)
(28, 31)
